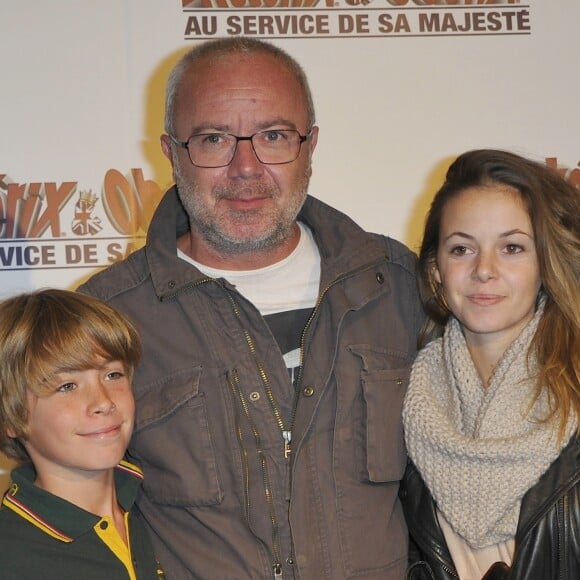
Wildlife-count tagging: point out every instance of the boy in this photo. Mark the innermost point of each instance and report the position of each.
(66, 415)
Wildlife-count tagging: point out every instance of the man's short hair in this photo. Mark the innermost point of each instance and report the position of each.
(215, 49)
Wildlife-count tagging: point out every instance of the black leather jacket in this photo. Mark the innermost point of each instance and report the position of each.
(547, 538)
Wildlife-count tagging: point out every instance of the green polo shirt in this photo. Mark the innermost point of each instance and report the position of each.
(44, 536)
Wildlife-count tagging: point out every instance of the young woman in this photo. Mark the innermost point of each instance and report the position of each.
(491, 414)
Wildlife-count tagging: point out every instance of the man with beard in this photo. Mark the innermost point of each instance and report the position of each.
(277, 341)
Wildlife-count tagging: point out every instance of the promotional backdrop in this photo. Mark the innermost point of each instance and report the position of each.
(401, 87)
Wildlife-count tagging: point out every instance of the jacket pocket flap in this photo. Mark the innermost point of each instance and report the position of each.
(159, 399)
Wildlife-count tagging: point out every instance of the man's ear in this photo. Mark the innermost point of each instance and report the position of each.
(166, 148)
(313, 139)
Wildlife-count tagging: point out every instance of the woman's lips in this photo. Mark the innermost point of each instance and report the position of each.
(485, 299)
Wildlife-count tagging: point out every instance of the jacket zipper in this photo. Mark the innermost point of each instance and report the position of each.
(306, 330)
(286, 431)
(561, 512)
(233, 381)
(286, 436)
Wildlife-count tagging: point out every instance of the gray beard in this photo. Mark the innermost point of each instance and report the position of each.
(226, 245)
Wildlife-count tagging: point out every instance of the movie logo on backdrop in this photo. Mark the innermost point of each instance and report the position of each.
(48, 225)
(353, 18)
(62, 225)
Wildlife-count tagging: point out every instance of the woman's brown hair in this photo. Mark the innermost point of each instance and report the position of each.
(554, 209)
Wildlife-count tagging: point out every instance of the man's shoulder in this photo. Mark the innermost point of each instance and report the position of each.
(321, 216)
(117, 278)
(400, 254)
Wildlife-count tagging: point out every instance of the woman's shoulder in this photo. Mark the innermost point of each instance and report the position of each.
(432, 350)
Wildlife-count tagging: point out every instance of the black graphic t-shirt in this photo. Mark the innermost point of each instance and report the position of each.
(287, 329)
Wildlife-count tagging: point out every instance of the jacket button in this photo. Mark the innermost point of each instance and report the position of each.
(254, 396)
(103, 525)
(171, 284)
(380, 277)
(308, 391)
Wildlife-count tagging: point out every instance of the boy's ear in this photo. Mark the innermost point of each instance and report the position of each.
(14, 434)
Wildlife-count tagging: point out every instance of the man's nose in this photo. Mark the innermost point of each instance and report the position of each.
(245, 162)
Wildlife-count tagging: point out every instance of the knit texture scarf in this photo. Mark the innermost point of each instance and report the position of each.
(479, 450)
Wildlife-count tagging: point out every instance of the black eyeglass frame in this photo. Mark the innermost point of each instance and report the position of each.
(185, 145)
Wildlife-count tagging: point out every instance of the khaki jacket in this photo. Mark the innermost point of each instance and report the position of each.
(213, 397)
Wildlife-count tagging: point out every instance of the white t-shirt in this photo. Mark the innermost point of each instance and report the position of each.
(472, 564)
(285, 293)
(290, 284)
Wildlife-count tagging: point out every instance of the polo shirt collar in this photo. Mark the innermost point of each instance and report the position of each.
(58, 517)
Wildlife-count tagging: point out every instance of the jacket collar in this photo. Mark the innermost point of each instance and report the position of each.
(561, 476)
(58, 517)
(344, 246)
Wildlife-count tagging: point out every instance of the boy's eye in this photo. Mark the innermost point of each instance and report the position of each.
(115, 375)
(66, 387)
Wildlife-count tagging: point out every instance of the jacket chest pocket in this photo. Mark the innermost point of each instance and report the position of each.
(383, 379)
(383, 393)
(172, 442)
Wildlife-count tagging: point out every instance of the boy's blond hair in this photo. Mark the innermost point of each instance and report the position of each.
(47, 332)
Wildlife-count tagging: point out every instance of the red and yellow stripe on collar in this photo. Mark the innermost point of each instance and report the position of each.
(23, 511)
(130, 468)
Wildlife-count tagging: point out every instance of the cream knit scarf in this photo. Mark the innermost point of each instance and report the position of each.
(476, 448)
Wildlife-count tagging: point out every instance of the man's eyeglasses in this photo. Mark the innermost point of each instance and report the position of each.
(272, 147)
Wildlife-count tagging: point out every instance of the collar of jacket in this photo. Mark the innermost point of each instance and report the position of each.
(561, 476)
(344, 246)
(60, 518)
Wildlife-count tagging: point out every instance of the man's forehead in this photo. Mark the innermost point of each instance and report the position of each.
(242, 69)
(218, 91)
